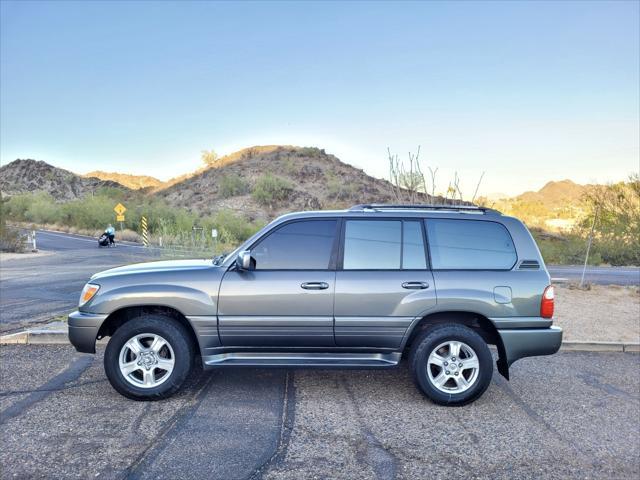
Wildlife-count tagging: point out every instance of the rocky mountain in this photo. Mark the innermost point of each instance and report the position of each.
(297, 178)
(563, 192)
(23, 176)
(134, 182)
(556, 206)
(258, 182)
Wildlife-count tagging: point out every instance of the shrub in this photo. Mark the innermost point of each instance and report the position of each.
(310, 152)
(270, 189)
(232, 185)
(11, 241)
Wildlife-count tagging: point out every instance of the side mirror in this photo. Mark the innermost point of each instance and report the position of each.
(243, 260)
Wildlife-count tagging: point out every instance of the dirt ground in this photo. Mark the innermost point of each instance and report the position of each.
(604, 313)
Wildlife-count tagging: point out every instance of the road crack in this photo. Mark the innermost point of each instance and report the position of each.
(286, 427)
(379, 457)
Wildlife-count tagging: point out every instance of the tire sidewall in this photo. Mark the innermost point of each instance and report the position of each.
(434, 337)
(172, 332)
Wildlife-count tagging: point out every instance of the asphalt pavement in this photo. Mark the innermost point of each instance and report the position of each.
(36, 289)
(570, 415)
(598, 275)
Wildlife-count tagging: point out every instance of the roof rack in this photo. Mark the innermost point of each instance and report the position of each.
(451, 208)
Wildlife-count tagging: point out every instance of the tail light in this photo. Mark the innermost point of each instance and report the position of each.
(546, 305)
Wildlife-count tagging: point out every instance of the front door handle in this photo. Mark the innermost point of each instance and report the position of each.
(315, 285)
(415, 285)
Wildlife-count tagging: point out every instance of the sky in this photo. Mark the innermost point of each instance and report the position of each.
(526, 91)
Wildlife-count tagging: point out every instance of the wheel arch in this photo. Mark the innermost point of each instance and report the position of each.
(477, 322)
(125, 314)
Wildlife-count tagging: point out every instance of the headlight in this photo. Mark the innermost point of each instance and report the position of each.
(88, 292)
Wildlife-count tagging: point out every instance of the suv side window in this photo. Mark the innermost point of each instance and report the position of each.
(383, 245)
(469, 245)
(305, 245)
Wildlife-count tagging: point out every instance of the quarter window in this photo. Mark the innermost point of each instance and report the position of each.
(303, 245)
(383, 245)
(469, 245)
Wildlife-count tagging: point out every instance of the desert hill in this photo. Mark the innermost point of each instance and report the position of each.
(308, 177)
(259, 182)
(556, 206)
(562, 192)
(23, 176)
(134, 182)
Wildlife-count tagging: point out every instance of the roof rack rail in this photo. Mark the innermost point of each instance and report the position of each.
(454, 208)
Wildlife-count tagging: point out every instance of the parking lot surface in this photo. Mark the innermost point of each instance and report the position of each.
(571, 415)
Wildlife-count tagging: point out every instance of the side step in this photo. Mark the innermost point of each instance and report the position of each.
(294, 359)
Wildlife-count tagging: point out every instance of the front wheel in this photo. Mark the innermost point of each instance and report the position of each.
(149, 357)
(451, 364)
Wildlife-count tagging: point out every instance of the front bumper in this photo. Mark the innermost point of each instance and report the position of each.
(519, 343)
(83, 330)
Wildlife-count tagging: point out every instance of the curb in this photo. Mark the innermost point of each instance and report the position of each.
(39, 337)
(59, 337)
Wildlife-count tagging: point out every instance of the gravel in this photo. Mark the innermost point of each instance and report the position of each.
(604, 313)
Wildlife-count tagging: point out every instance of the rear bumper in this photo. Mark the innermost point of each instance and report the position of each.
(528, 342)
(83, 330)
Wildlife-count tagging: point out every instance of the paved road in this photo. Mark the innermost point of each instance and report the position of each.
(571, 415)
(38, 288)
(599, 275)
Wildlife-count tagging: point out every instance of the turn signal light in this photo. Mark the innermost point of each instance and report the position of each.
(546, 305)
(88, 293)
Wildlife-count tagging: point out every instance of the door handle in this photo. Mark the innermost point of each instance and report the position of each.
(315, 285)
(415, 285)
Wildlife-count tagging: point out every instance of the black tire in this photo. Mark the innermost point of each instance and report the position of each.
(170, 330)
(431, 338)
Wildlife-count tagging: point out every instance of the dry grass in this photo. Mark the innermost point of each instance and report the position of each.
(602, 313)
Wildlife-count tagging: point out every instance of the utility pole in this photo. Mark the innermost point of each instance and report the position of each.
(586, 257)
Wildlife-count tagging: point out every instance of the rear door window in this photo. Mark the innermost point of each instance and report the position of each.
(383, 245)
(469, 245)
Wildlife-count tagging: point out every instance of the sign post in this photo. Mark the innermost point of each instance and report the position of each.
(145, 235)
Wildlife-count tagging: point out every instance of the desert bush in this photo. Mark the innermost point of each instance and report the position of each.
(90, 215)
(232, 229)
(310, 152)
(232, 185)
(616, 211)
(270, 189)
(11, 241)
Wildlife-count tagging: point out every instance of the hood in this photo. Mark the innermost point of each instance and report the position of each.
(150, 267)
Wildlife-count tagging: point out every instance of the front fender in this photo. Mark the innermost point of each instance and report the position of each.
(187, 300)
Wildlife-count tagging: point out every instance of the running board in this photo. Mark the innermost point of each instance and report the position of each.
(293, 359)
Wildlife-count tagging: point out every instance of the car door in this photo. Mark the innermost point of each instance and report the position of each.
(286, 299)
(383, 282)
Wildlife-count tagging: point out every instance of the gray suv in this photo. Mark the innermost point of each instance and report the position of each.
(357, 288)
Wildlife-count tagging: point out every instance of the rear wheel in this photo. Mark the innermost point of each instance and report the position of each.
(451, 364)
(149, 357)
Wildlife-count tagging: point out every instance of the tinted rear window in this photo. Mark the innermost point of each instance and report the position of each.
(383, 245)
(469, 245)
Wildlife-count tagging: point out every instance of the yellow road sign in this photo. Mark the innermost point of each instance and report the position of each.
(120, 218)
(120, 209)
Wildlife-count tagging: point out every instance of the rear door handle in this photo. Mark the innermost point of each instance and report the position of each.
(315, 285)
(415, 285)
